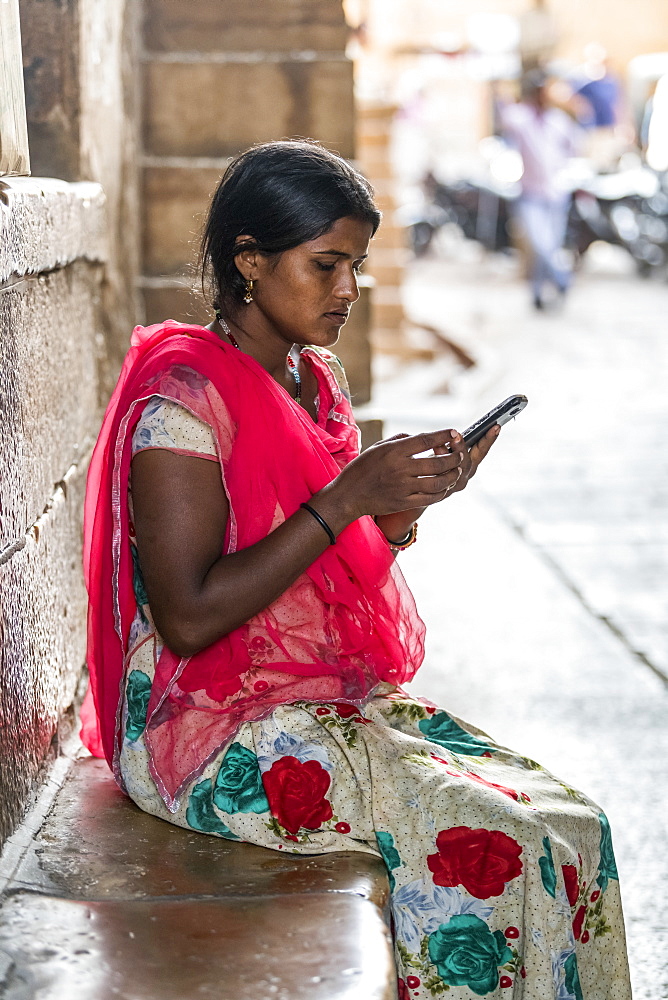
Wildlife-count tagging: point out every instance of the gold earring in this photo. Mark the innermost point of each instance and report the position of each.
(248, 297)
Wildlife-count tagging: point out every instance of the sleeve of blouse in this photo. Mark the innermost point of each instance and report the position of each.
(167, 424)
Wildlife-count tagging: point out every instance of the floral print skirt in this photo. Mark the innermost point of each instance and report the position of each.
(503, 878)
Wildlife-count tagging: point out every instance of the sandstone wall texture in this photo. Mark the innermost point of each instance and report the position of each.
(51, 347)
(80, 68)
(217, 77)
(69, 246)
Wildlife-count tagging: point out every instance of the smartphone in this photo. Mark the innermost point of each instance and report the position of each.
(501, 414)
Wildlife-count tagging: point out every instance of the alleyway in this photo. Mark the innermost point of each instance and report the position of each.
(544, 587)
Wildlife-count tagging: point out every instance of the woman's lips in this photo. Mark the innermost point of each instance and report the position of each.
(337, 317)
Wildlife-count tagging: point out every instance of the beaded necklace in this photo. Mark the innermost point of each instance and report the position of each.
(291, 363)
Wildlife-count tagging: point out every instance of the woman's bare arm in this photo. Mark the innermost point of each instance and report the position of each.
(180, 512)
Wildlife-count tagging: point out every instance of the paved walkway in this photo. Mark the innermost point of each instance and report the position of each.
(544, 586)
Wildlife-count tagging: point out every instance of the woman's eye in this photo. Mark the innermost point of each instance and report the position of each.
(325, 267)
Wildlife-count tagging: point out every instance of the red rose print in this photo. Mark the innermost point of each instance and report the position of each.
(322, 711)
(413, 982)
(260, 685)
(523, 972)
(505, 982)
(594, 896)
(480, 860)
(403, 990)
(578, 922)
(585, 937)
(342, 827)
(512, 932)
(571, 882)
(345, 710)
(296, 793)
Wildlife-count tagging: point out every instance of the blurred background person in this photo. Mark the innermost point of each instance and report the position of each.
(546, 138)
(600, 108)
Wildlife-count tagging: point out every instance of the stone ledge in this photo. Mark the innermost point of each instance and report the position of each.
(47, 224)
(108, 900)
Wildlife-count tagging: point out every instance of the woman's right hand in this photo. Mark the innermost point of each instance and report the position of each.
(389, 476)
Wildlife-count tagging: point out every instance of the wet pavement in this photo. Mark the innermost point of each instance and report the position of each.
(545, 585)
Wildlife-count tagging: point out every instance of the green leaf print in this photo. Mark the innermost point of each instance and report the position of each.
(607, 864)
(407, 711)
(137, 695)
(572, 978)
(389, 853)
(547, 872)
(441, 729)
(137, 579)
(239, 787)
(201, 815)
(467, 953)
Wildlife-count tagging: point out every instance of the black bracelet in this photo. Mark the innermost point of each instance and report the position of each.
(321, 521)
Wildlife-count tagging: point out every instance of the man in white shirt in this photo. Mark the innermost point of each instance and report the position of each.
(546, 138)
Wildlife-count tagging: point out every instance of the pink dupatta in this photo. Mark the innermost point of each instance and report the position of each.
(347, 623)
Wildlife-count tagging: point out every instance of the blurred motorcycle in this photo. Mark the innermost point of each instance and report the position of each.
(482, 213)
(627, 209)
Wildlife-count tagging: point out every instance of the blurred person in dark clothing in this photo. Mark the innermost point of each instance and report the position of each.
(546, 138)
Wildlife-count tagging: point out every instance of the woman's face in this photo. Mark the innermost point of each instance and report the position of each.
(305, 294)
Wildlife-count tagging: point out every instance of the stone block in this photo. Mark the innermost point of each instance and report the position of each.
(96, 844)
(174, 205)
(48, 387)
(108, 900)
(174, 301)
(320, 947)
(354, 348)
(50, 41)
(239, 26)
(219, 108)
(387, 274)
(390, 236)
(46, 223)
(372, 431)
(42, 642)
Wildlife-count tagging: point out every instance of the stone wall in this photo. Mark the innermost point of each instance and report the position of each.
(217, 77)
(52, 247)
(68, 265)
(80, 67)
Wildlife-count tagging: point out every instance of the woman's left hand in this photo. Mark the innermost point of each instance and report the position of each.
(395, 527)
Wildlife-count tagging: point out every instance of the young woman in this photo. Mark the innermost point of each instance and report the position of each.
(249, 628)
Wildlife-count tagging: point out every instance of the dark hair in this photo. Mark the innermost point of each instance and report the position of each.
(279, 194)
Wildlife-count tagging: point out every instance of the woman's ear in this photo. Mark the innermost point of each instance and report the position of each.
(246, 259)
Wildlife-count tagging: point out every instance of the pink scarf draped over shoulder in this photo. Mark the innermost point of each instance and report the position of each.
(347, 623)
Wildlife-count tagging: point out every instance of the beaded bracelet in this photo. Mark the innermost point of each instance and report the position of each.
(322, 522)
(406, 542)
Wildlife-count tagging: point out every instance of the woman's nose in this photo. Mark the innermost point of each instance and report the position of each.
(346, 287)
